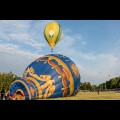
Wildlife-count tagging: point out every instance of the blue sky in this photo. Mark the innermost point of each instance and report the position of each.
(93, 45)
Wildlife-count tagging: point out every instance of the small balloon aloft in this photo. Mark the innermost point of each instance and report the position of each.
(53, 34)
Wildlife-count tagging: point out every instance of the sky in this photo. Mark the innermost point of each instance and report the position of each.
(93, 45)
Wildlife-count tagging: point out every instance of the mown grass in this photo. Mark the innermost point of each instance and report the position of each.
(91, 96)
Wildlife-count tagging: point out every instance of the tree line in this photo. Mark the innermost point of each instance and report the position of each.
(7, 78)
(113, 83)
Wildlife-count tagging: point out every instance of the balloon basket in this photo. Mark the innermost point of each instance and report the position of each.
(51, 49)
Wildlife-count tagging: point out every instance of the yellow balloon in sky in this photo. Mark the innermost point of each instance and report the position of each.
(53, 33)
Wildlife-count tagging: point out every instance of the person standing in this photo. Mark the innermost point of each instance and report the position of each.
(98, 91)
(2, 93)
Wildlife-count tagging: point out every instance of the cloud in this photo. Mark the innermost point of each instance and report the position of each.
(12, 58)
(115, 48)
(97, 70)
(14, 26)
(21, 32)
(69, 42)
(118, 42)
(67, 30)
(100, 67)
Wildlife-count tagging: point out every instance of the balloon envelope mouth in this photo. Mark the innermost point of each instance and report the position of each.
(52, 44)
(19, 95)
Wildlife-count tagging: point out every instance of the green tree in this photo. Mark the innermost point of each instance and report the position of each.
(85, 86)
(94, 87)
(6, 79)
(117, 82)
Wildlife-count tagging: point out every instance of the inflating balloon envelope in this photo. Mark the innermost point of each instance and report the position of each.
(50, 76)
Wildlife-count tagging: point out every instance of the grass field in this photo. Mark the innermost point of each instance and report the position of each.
(92, 96)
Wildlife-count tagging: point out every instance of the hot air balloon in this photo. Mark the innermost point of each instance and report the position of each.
(53, 34)
(50, 76)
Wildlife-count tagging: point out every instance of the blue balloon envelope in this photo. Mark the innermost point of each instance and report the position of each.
(49, 76)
